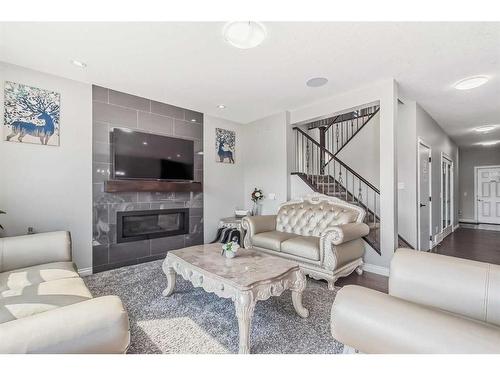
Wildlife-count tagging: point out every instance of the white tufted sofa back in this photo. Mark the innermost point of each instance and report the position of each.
(308, 218)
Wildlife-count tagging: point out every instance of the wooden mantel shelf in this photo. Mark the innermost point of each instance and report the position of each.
(119, 186)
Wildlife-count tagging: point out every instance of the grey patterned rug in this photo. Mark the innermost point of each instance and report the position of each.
(194, 321)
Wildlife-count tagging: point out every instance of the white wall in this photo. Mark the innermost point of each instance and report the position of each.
(299, 188)
(362, 153)
(469, 158)
(46, 187)
(223, 184)
(266, 143)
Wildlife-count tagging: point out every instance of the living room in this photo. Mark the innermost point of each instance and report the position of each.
(234, 187)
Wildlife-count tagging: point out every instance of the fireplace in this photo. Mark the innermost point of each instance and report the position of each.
(144, 225)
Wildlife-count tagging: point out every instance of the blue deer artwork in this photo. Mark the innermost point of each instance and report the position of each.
(31, 112)
(224, 154)
(225, 143)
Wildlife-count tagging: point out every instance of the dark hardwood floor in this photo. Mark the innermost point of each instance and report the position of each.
(474, 244)
(367, 279)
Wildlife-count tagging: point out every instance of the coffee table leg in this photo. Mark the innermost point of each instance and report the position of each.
(170, 273)
(297, 290)
(244, 306)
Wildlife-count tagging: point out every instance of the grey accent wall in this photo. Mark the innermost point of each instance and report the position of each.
(432, 134)
(415, 123)
(407, 166)
(469, 158)
(116, 109)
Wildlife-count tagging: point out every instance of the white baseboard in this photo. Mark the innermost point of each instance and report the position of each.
(85, 271)
(373, 268)
(437, 239)
(465, 220)
(456, 227)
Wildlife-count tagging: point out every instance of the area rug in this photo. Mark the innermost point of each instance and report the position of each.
(194, 321)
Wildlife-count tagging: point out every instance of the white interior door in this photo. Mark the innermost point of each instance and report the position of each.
(424, 193)
(446, 196)
(488, 195)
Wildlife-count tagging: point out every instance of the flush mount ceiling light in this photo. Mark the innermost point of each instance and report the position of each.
(317, 82)
(471, 82)
(485, 128)
(79, 64)
(221, 106)
(492, 143)
(244, 35)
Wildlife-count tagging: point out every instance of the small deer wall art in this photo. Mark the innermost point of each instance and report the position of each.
(225, 142)
(31, 115)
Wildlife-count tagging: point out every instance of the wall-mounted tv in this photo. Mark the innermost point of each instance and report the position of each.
(143, 156)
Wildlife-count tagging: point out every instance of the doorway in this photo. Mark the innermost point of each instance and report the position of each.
(424, 208)
(487, 194)
(446, 195)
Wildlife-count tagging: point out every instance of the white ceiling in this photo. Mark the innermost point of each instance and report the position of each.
(189, 64)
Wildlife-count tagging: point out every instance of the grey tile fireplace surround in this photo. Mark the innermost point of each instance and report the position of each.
(116, 109)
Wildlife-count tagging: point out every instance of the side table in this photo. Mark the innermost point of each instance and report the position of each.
(229, 229)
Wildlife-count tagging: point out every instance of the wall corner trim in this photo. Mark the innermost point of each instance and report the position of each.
(373, 268)
(85, 271)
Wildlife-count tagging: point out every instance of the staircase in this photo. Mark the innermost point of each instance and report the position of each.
(319, 167)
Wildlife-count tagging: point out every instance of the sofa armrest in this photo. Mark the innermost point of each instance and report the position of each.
(346, 232)
(374, 322)
(257, 224)
(446, 282)
(98, 325)
(34, 249)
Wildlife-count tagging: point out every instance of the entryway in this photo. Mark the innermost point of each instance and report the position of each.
(487, 193)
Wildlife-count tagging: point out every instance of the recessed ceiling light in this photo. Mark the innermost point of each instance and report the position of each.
(145, 143)
(200, 152)
(221, 106)
(79, 64)
(492, 143)
(317, 82)
(193, 120)
(244, 35)
(471, 82)
(485, 128)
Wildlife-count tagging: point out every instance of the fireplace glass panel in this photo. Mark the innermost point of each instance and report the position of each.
(140, 225)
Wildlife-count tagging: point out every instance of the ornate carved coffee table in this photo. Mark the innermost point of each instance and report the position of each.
(249, 277)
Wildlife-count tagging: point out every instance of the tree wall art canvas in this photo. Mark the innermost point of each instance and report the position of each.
(31, 115)
(225, 144)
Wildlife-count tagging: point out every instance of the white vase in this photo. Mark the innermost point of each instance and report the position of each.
(229, 254)
(255, 209)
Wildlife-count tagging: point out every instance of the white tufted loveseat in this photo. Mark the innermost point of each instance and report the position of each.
(323, 234)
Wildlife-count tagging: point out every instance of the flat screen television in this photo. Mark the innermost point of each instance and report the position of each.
(143, 156)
